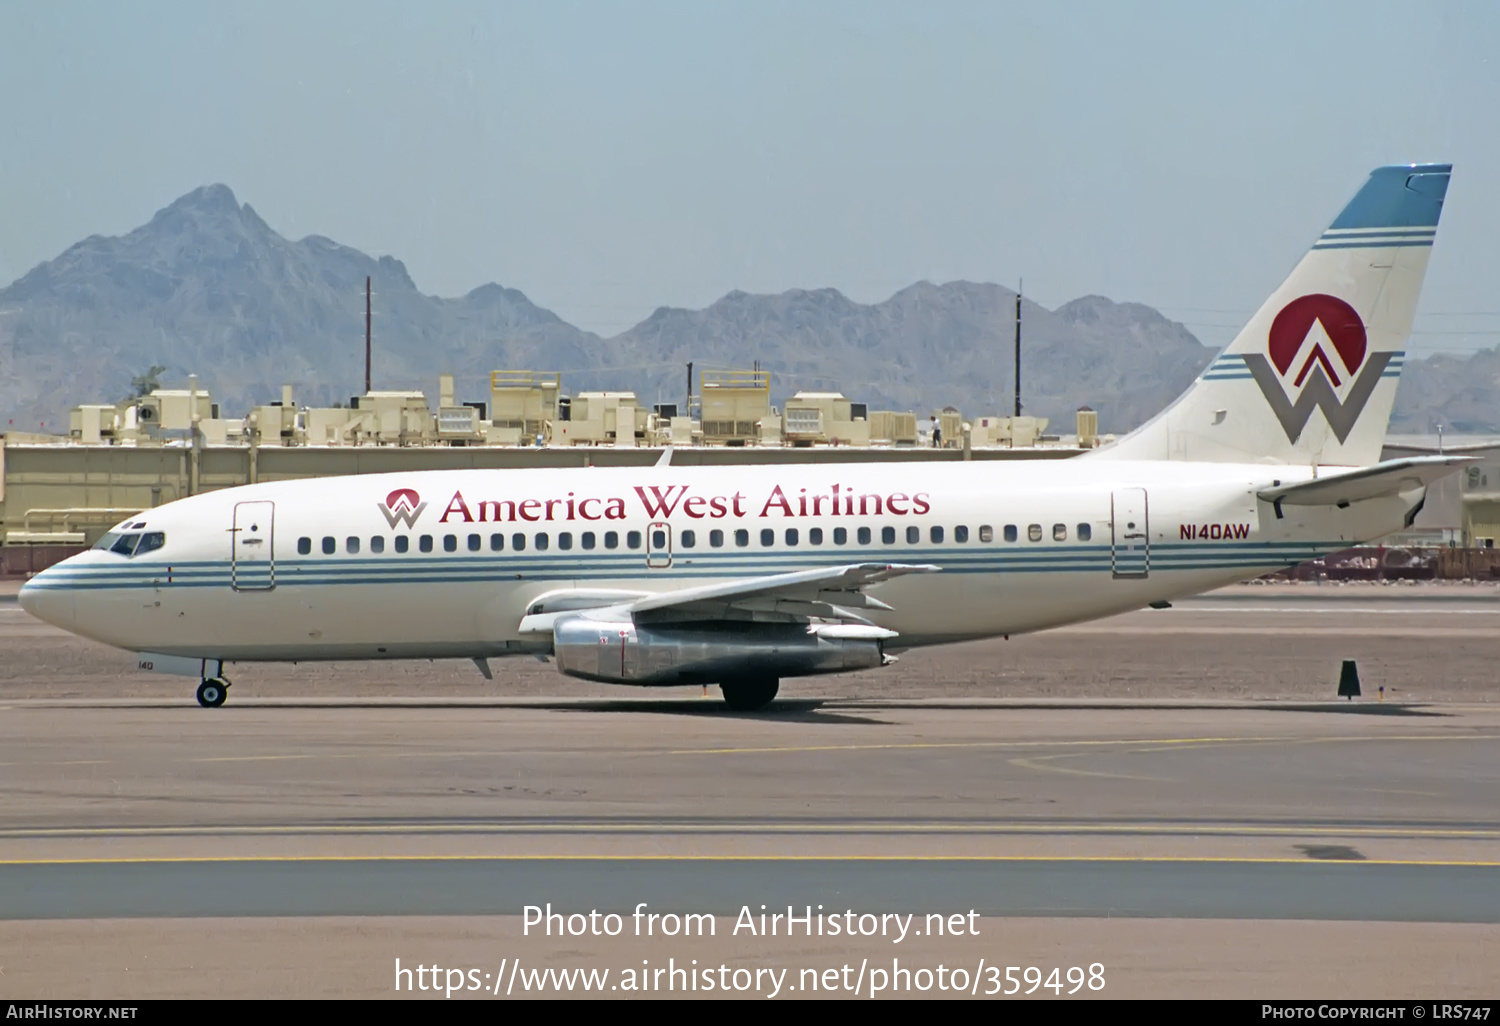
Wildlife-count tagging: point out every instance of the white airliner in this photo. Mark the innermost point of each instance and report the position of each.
(740, 576)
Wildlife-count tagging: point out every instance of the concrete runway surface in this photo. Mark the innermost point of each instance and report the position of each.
(1234, 833)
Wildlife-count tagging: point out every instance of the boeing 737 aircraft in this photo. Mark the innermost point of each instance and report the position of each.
(743, 576)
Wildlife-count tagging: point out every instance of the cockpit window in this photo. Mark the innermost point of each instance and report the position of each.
(132, 544)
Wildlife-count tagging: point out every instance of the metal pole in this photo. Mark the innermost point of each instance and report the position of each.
(367, 334)
(687, 407)
(1019, 286)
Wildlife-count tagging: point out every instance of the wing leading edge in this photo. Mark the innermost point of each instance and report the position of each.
(831, 593)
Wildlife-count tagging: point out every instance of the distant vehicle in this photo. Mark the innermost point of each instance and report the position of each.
(744, 576)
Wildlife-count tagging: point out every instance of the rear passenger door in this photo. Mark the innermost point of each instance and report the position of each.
(1130, 553)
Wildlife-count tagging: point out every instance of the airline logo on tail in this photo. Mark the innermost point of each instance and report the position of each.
(1317, 347)
(402, 506)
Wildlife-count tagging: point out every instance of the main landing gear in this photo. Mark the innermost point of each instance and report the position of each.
(747, 694)
(212, 692)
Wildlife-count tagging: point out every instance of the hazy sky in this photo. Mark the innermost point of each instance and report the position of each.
(609, 158)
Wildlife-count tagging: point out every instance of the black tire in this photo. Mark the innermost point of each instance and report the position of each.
(212, 692)
(749, 693)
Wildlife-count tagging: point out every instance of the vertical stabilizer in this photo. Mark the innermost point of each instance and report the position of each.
(1312, 378)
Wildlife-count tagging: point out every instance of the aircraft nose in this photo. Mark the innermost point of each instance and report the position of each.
(44, 600)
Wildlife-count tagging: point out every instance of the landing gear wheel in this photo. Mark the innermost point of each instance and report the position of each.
(749, 693)
(212, 692)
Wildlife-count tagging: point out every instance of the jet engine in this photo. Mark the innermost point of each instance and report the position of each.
(628, 653)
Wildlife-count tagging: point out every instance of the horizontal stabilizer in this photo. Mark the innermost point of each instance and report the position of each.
(1383, 479)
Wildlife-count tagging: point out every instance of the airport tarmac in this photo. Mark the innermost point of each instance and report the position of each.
(1234, 832)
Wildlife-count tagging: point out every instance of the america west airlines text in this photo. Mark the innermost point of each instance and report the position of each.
(662, 502)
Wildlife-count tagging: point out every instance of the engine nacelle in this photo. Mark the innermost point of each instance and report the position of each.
(628, 653)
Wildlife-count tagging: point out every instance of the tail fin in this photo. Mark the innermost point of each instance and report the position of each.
(1312, 378)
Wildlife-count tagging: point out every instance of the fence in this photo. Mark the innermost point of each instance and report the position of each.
(1382, 563)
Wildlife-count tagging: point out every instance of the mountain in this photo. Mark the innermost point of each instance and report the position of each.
(207, 287)
(1458, 394)
(930, 345)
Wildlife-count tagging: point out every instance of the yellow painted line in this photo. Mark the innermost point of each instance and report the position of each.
(873, 829)
(1119, 859)
(1162, 741)
(1037, 764)
(1178, 742)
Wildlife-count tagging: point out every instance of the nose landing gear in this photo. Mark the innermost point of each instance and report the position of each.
(212, 692)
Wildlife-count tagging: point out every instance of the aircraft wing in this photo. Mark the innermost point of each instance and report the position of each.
(1382, 479)
(825, 592)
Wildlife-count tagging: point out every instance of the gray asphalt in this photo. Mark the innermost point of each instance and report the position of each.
(1041, 887)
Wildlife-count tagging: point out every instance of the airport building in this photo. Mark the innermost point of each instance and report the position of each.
(59, 493)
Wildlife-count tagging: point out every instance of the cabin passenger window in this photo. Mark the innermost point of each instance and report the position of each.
(961, 533)
(716, 539)
(1085, 532)
(497, 543)
(351, 545)
(542, 541)
(1034, 533)
(1059, 532)
(632, 539)
(659, 540)
(425, 543)
(150, 542)
(742, 537)
(913, 534)
(377, 543)
(767, 537)
(518, 542)
(864, 536)
(815, 536)
(888, 535)
(450, 543)
(936, 534)
(688, 539)
(304, 546)
(840, 535)
(329, 545)
(475, 543)
(565, 540)
(791, 536)
(611, 539)
(1010, 532)
(986, 533)
(586, 539)
(402, 543)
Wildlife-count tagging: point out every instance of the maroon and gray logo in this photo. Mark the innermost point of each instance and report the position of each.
(402, 506)
(1289, 364)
